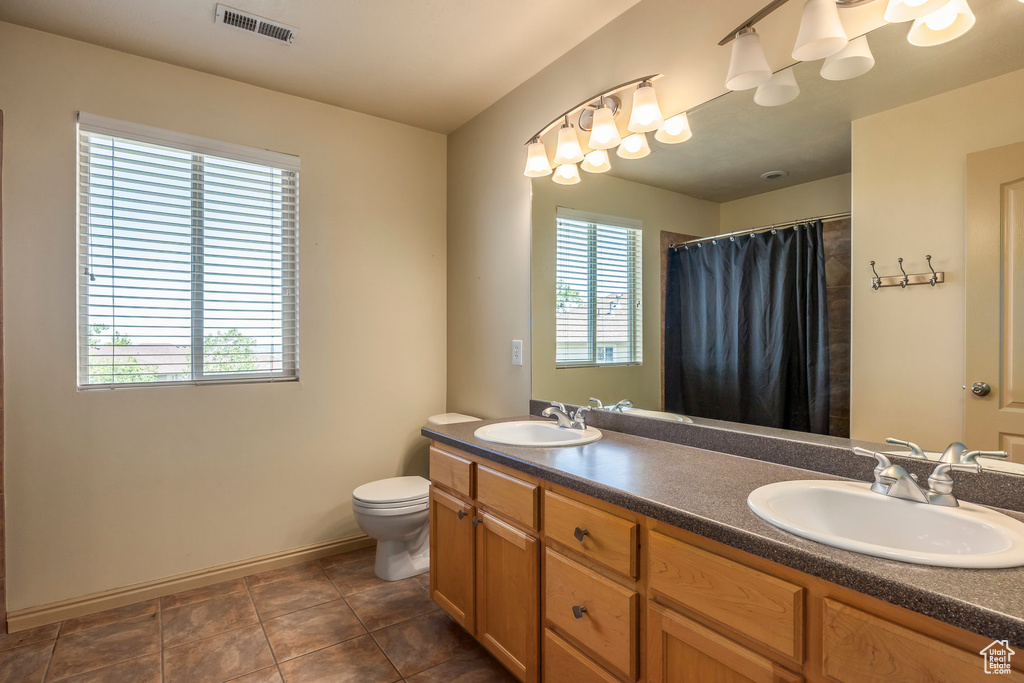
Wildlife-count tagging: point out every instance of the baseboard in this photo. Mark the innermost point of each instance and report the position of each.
(31, 617)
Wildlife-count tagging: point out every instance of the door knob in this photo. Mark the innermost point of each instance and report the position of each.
(477, 521)
(580, 533)
(578, 610)
(981, 389)
(462, 513)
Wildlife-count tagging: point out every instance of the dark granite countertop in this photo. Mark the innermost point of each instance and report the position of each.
(705, 492)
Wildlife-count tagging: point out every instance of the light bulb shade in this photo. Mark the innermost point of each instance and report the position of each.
(646, 114)
(568, 150)
(821, 33)
(853, 60)
(537, 164)
(953, 20)
(604, 134)
(634, 146)
(908, 10)
(596, 162)
(566, 174)
(748, 67)
(676, 129)
(782, 88)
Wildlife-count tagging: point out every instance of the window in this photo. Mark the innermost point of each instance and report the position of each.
(188, 253)
(598, 291)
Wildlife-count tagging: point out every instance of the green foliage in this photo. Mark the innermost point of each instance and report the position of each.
(116, 369)
(225, 352)
(566, 297)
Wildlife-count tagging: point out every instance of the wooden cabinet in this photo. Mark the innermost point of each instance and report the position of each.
(679, 650)
(452, 559)
(563, 662)
(604, 538)
(508, 595)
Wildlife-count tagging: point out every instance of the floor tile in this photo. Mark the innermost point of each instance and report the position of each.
(207, 618)
(141, 670)
(345, 558)
(423, 642)
(389, 604)
(25, 664)
(32, 635)
(311, 629)
(355, 661)
(474, 667)
(220, 658)
(270, 675)
(111, 616)
(102, 646)
(424, 579)
(292, 594)
(203, 593)
(273, 575)
(354, 577)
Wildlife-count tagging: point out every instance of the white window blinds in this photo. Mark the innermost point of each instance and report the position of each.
(188, 251)
(599, 287)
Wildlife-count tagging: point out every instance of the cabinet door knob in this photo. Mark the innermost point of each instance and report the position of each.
(578, 610)
(477, 521)
(580, 533)
(981, 389)
(462, 513)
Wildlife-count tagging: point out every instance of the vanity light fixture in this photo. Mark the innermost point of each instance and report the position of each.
(821, 33)
(566, 174)
(596, 162)
(604, 134)
(537, 164)
(853, 60)
(952, 21)
(677, 129)
(898, 11)
(634, 146)
(646, 114)
(748, 67)
(780, 89)
(568, 150)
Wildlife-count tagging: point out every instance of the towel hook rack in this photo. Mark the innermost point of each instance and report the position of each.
(876, 281)
(932, 278)
(906, 280)
(935, 276)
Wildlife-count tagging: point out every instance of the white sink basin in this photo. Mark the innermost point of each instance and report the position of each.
(849, 515)
(657, 415)
(536, 433)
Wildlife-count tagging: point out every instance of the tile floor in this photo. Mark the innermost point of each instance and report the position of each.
(330, 620)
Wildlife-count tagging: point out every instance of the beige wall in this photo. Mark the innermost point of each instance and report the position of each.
(603, 194)
(908, 200)
(816, 198)
(110, 488)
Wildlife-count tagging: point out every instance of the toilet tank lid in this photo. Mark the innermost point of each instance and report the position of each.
(450, 418)
(394, 490)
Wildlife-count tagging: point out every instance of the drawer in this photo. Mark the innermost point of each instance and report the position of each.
(759, 606)
(563, 662)
(859, 647)
(602, 537)
(607, 628)
(452, 471)
(507, 496)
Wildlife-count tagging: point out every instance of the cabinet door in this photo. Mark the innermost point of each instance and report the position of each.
(508, 596)
(681, 650)
(452, 556)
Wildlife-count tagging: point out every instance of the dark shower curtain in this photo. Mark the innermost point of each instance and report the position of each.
(746, 330)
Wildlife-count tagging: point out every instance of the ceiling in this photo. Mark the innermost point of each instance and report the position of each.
(433, 64)
(735, 140)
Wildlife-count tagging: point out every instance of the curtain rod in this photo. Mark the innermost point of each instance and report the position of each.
(764, 228)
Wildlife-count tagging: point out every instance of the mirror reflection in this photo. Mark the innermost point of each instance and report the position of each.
(728, 278)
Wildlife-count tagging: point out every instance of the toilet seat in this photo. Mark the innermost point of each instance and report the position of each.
(392, 494)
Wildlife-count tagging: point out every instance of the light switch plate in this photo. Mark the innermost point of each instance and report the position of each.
(517, 352)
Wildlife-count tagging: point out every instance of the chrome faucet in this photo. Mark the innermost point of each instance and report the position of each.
(578, 420)
(915, 450)
(956, 453)
(897, 482)
(617, 408)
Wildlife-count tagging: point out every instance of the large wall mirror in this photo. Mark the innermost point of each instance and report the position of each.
(918, 157)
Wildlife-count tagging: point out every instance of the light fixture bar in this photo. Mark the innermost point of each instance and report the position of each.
(776, 4)
(611, 91)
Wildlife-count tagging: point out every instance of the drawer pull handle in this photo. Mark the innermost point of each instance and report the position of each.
(462, 513)
(477, 520)
(578, 611)
(580, 533)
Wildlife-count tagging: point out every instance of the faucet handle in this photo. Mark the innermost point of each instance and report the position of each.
(883, 460)
(915, 450)
(972, 456)
(597, 401)
(560, 406)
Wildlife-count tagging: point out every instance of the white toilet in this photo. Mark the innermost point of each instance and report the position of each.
(396, 512)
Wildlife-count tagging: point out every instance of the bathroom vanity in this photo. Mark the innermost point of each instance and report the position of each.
(632, 559)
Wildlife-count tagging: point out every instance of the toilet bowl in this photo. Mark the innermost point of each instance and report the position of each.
(396, 512)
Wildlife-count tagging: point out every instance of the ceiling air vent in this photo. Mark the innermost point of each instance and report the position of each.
(252, 23)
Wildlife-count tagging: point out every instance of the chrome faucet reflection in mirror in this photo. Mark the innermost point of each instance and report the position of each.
(577, 420)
